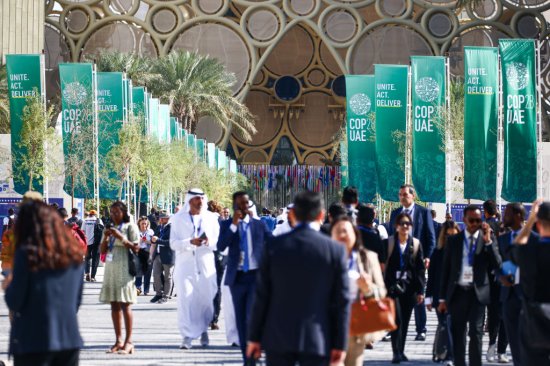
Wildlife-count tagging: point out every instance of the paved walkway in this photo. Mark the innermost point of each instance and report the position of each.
(157, 338)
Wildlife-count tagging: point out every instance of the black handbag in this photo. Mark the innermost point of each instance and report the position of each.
(536, 324)
(133, 262)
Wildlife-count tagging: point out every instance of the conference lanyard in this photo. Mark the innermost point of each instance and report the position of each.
(351, 260)
(402, 256)
(112, 239)
(196, 230)
(471, 250)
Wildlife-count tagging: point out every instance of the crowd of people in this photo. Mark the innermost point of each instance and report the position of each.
(287, 281)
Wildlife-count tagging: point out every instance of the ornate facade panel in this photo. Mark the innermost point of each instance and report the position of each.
(289, 56)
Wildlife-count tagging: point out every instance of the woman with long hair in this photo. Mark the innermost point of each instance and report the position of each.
(448, 228)
(118, 284)
(145, 256)
(365, 276)
(44, 290)
(405, 279)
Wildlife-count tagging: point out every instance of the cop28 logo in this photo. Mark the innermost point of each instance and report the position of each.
(517, 75)
(360, 104)
(74, 93)
(427, 89)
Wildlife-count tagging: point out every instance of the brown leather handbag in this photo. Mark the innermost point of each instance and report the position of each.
(372, 314)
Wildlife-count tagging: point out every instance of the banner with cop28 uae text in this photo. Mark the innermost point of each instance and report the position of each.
(518, 67)
(429, 86)
(481, 93)
(391, 88)
(25, 76)
(111, 116)
(360, 113)
(78, 101)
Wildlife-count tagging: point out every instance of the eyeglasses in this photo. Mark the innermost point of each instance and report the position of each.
(405, 223)
(474, 221)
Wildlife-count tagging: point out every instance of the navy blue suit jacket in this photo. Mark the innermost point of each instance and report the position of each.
(163, 243)
(423, 228)
(232, 240)
(302, 295)
(44, 305)
(505, 248)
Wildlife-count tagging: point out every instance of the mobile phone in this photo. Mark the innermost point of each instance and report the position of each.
(203, 236)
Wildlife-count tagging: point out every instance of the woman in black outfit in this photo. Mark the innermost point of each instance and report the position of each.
(405, 280)
(434, 279)
(45, 289)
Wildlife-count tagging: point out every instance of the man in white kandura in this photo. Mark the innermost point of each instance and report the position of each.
(194, 235)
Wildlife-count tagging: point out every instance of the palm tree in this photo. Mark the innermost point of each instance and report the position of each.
(4, 101)
(195, 85)
(137, 68)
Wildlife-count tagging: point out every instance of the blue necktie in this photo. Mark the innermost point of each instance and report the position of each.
(244, 246)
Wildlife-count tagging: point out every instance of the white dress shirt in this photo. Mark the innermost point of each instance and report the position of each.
(465, 251)
(252, 264)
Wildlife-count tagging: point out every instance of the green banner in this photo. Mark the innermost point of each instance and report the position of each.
(164, 123)
(154, 118)
(360, 112)
(221, 159)
(519, 85)
(480, 122)
(25, 79)
(392, 83)
(192, 142)
(139, 108)
(429, 86)
(173, 129)
(110, 103)
(78, 115)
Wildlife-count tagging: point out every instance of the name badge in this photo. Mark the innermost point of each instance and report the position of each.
(468, 274)
(109, 257)
(241, 259)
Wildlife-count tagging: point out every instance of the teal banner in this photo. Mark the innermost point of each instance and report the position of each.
(192, 142)
(201, 149)
(111, 93)
(139, 107)
(360, 113)
(78, 100)
(164, 123)
(173, 129)
(392, 87)
(154, 118)
(25, 77)
(429, 93)
(481, 100)
(519, 89)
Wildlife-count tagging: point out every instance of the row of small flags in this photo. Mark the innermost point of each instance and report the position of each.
(314, 178)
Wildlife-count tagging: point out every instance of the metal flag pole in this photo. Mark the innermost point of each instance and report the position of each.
(539, 118)
(408, 129)
(96, 132)
(500, 135)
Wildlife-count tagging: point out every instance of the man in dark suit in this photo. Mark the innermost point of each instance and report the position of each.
(437, 225)
(423, 230)
(245, 237)
(510, 293)
(465, 288)
(163, 260)
(369, 233)
(301, 310)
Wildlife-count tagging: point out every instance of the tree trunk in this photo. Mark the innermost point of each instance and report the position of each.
(31, 176)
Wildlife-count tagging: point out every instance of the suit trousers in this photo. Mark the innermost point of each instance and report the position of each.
(242, 292)
(356, 351)
(466, 310)
(160, 270)
(92, 259)
(404, 305)
(55, 358)
(219, 262)
(291, 359)
(420, 317)
(511, 308)
(494, 319)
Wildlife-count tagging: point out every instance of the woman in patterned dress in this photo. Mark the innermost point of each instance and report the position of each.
(118, 285)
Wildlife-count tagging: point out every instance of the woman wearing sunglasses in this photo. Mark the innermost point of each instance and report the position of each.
(405, 279)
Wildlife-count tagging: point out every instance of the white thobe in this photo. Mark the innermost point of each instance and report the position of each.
(231, 332)
(194, 271)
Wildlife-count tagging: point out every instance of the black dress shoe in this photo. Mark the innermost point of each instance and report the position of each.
(387, 338)
(156, 298)
(420, 337)
(396, 358)
(404, 358)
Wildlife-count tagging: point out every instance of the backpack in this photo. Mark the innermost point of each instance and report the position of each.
(391, 245)
(98, 231)
(79, 235)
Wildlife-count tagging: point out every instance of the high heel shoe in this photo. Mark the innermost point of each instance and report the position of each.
(115, 348)
(128, 349)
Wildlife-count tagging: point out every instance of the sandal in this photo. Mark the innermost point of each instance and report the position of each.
(115, 348)
(128, 349)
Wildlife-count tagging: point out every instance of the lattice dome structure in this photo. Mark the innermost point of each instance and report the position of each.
(289, 56)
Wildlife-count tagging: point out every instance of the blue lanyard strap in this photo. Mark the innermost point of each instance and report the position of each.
(112, 239)
(402, 255)
(471, 250)
(351, 259)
